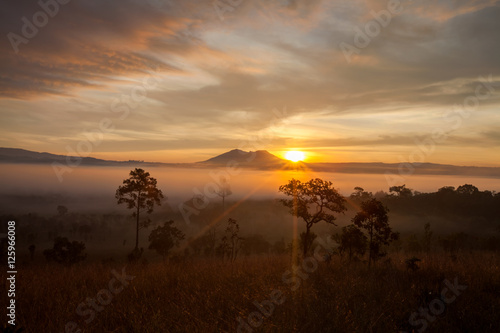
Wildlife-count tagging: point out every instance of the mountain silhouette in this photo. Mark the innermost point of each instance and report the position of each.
(259, 158)
(22, 156)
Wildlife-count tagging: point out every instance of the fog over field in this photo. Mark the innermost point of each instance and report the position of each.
(36, 188)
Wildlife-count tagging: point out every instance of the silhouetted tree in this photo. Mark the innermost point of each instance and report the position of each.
(139, 192)
(446, 190)
(223, 191)
(467, 189)
(231, 241)
(163, 238)
(373, 218)
(66, 252)
(402, 191)
(353, 241)
(360, 195)
(314, 201)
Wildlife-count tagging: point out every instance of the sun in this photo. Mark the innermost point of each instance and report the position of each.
(295, 156)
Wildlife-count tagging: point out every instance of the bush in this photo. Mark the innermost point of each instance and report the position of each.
(66, 252)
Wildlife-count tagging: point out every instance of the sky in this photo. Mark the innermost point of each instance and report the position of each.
(182, 81)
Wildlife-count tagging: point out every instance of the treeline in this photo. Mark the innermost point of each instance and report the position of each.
(465, 202)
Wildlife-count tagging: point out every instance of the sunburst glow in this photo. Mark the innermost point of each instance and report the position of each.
(295, 156)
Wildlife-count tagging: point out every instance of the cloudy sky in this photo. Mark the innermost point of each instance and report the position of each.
(180, 81)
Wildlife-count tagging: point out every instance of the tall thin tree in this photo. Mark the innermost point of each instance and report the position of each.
(139, 192)
(223, 191)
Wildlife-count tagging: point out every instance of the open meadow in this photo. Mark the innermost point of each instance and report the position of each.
(215, 296)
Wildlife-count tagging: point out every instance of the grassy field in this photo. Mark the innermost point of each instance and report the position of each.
(207, 295)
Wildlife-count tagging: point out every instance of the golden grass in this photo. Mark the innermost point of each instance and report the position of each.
(208, 295)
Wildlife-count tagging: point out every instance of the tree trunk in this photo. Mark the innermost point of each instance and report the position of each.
(370, 252)
(137, 223)
(306, 241)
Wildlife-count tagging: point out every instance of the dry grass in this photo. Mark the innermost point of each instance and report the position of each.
(208, 296)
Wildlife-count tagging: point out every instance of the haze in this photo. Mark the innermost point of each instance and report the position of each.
(93, 188)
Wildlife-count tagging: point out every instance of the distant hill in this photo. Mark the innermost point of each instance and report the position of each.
(15, 155)
(260, 159)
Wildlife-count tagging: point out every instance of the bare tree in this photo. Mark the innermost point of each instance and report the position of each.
(231, 242)
(223, 191)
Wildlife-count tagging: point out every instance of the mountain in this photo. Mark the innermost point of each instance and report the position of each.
(15, 155)
(258, 159)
